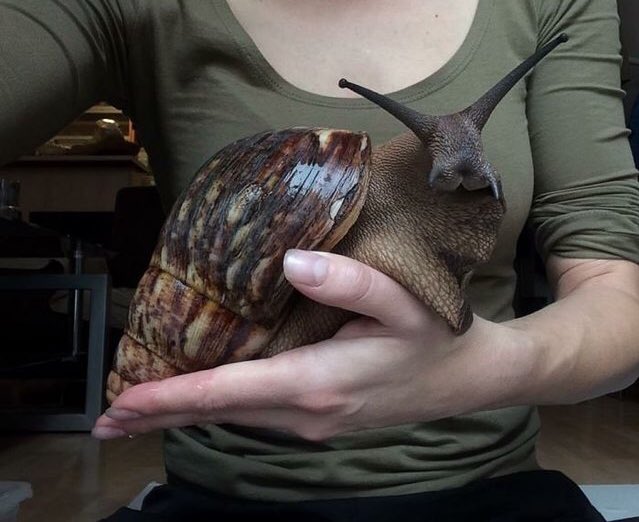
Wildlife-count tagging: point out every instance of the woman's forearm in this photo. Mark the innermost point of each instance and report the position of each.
(587, 342)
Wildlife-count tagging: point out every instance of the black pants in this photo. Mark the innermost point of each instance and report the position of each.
(530, 496)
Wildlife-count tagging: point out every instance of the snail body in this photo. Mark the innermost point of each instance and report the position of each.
(215, 293)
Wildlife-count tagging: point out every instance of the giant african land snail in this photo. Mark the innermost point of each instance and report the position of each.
(215, 292)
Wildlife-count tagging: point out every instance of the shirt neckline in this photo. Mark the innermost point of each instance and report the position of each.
(441, 77)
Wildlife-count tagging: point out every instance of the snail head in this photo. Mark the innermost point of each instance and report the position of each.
(454, 140)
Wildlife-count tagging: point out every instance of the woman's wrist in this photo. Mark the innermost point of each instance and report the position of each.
(503, 365)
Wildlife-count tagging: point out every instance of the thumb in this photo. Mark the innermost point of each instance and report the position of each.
(343, 282)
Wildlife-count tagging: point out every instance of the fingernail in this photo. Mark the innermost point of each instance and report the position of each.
(308, 268)
(106, 433)
(122, 414)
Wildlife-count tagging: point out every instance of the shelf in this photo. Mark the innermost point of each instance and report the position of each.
(104, 109)
(64, 158)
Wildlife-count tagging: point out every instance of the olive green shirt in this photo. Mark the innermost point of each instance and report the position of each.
(193, 81)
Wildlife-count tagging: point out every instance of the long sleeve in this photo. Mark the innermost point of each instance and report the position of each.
(57, 58)
(586, 200)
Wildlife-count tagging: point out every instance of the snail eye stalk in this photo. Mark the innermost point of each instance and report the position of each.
(455, 139)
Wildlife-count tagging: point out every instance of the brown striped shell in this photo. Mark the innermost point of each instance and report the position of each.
(215, 291)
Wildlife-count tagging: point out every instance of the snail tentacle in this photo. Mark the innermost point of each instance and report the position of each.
(480, 111)
(454, 140)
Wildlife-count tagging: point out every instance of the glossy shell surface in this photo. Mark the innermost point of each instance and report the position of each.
(215, 291)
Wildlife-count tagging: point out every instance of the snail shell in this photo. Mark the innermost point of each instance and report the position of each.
(215, 292)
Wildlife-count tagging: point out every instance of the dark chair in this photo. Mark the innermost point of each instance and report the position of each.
(137, 222)
(633, 124)
(64, 418)
(532, 292)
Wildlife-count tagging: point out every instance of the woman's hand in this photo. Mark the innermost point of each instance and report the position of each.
(398, 363)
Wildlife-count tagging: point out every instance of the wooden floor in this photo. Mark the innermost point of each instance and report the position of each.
(76, 478)
(596, 442)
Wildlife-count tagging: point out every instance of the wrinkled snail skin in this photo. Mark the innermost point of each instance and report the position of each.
(215, 292)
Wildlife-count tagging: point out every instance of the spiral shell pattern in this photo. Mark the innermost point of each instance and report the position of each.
(215, 292)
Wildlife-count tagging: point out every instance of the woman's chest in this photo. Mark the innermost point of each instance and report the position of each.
(386, 45)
